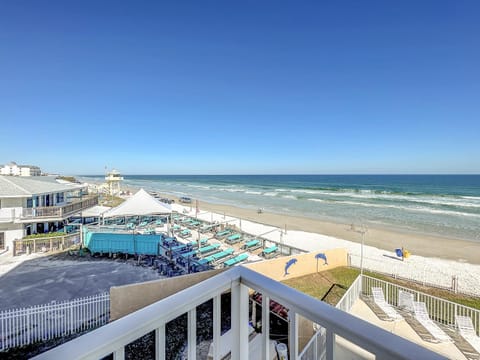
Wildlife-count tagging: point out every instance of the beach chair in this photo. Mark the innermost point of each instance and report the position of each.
(467, 331)
(251, 245)
(421, 314)
(185, 233)
(379, 299)
(234, 238)
(405, 300)
(270, 252)
(222, 234)
(236, 260)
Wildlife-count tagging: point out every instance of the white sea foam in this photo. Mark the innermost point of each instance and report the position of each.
(233, 189)
(306, 191)
(273, 193)
(289, 197)
(317, 200)
(253, 192)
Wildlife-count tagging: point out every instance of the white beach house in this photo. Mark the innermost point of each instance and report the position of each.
(12, 169)
(30, 205)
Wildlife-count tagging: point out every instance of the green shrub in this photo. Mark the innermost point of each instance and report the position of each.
(52, 234)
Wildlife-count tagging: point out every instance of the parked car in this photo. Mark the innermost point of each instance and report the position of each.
(185, 200)
(167, 201)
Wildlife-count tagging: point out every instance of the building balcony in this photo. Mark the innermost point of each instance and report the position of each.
(345, 336)
(58, 212)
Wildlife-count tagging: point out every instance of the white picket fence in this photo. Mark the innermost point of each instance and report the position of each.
(19, 327)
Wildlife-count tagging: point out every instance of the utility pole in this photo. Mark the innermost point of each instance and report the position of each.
(363, 230)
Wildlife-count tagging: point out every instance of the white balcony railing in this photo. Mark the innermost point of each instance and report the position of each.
(112, 338)
(10, 214)
(60, 211)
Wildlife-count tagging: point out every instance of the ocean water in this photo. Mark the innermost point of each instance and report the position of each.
(447, 205)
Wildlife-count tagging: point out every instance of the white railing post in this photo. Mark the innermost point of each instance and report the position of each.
(265, 326)
(119, 354)
(192, 334)
(239, 322)
(330, 345)
(160, 343)
(217, 323)
(293, 334)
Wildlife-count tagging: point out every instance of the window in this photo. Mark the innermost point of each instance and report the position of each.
(60, 197)
(2, 240)
(29, 203)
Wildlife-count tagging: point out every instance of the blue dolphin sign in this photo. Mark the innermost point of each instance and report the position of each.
(288, 264)
(322, 256)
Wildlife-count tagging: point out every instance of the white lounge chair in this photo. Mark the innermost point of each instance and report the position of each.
(421, 314)
(405, 300)
(467, 331)
(379, 299)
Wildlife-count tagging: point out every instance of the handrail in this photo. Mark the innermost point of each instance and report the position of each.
(356, 289)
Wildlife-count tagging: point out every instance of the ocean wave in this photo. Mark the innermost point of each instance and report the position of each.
(445, 201)
(253, 192)
(407, 208)
(289, 197)
(203, 187)
(375, 195)
(270, 193)
(317, 200)
(471, 197)
(306, 191)
(232, 189)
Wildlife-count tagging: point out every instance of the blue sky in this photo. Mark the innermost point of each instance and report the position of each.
(251, 87)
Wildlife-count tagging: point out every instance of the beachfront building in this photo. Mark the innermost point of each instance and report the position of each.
(12, 169)
(30, 205)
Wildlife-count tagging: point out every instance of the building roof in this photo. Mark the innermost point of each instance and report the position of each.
(142, 203)
(13, 186)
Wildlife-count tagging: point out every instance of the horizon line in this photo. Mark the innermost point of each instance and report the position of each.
(299, 174)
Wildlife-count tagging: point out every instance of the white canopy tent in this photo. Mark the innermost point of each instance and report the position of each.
(142, 203)
(95, 211)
